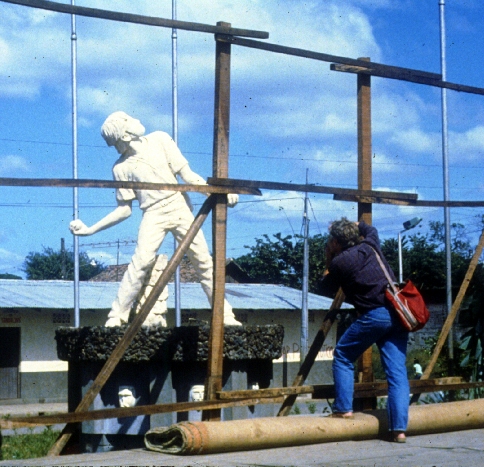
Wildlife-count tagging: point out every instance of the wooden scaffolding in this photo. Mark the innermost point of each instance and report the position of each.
(219, 186)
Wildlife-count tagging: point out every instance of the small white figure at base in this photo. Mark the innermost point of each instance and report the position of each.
(126, 398)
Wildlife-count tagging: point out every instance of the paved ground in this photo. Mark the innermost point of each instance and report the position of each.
(458, 449)
(31, 409)
(455, 449)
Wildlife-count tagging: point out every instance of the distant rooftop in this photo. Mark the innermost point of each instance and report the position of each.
(234, 273)
(100, 295)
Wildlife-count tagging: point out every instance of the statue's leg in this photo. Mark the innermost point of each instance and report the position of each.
(151, 234)
(157, 315)
(199, 256)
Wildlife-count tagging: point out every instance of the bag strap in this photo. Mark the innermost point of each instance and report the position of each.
(384, 269)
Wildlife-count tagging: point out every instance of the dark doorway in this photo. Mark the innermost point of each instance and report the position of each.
(9, 363)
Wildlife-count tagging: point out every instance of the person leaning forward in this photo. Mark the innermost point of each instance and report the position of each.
(352, 265)
(154, 158)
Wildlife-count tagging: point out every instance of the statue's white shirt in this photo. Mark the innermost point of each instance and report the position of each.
(157, 160)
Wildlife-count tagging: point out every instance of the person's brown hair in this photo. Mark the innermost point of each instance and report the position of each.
(346, 233)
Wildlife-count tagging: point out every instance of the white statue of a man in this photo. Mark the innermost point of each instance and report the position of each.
(152, 158)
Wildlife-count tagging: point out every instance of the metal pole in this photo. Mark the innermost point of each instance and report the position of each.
(174, 79)
(305, 283)
(74, 164)
(445, 158)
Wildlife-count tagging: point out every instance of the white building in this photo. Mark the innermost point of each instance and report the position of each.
(31, 311)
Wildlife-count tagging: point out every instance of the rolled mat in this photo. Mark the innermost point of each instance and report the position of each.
(187, 438)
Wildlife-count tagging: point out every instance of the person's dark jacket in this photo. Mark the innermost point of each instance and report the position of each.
(357, 271)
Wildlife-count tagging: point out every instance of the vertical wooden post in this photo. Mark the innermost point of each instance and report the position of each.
(365, 366)
(219, 223)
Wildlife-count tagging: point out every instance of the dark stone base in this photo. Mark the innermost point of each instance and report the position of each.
(186, 343)
(161, 366)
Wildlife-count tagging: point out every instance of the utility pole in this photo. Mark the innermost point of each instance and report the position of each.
(445, 164)
(174, 78)
(77, 319)
(305, 282)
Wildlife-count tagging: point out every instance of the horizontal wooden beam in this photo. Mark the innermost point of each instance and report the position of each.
(232, 399)
(324, 57)
(402, 202)
(137, 19)
(77, 417)
(404, 75)
(268, 392)
(372, 389)
(358, 66)
(309, 188)
(69, 183)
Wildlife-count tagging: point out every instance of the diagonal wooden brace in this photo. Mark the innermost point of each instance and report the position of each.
(313, 352)
(135, 326)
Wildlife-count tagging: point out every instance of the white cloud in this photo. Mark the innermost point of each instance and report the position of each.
(11, 263)
(417, 140)
(13, 165)
(468, 145)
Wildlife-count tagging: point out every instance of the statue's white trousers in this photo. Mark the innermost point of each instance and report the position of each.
(174, 217)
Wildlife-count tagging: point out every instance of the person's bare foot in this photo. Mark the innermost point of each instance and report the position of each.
(399, 437)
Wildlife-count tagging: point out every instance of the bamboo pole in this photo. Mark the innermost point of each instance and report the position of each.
(455, 308)
(138, 321)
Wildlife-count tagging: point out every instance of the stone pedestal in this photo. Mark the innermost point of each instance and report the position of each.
(161, 366)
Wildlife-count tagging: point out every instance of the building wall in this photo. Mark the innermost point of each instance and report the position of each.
(43, 377)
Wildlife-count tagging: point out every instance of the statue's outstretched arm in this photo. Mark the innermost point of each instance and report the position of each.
(192, 178)
(122, 212)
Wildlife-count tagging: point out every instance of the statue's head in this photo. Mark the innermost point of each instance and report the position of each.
(345, 232)
(120, 127)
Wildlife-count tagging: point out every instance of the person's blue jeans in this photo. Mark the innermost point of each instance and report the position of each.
(381, 327)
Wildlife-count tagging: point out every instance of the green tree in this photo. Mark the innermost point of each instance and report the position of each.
(280, 260)
(52, 265)
(423, 257)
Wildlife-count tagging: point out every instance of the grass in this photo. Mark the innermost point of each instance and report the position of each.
(28, 446)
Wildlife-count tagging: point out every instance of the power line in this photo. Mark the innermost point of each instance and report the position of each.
(251, 156)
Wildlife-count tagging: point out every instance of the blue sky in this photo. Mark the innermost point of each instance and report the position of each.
(289, 115)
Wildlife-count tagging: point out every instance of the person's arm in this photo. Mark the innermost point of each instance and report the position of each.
(369, 233)
(119, 214)
(192, 178)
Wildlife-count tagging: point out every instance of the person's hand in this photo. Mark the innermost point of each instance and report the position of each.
(232, 200)
(77, 227)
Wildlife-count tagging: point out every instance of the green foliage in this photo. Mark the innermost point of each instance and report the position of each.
(280, 260)
(52, 265)
(9, 276)
(311, 407)
(28, 446)
(423, 257)
(472, 340)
